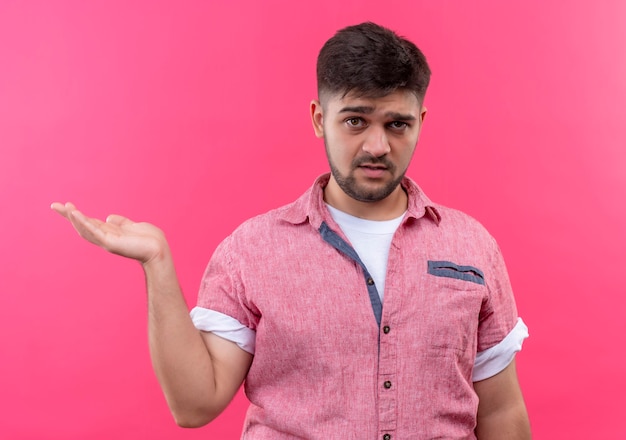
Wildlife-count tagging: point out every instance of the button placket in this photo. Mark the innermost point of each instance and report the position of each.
(388, 361)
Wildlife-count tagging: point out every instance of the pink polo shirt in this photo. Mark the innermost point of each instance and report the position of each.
(330, 361)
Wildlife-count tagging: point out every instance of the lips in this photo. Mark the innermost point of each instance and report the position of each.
(373, 171)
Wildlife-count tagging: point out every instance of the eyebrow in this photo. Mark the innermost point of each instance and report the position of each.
(366, 110)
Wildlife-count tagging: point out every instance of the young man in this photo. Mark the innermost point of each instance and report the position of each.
(361, 310)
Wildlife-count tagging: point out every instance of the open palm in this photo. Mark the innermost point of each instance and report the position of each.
(118, 235)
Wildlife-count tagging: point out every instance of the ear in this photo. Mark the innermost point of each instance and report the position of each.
(423, 114)
(317, 118)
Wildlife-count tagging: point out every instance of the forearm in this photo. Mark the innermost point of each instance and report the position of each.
(502, 412)
(509, 423)
(179, 355)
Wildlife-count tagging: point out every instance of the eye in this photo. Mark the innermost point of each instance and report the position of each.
(398, 125)
(355, 122)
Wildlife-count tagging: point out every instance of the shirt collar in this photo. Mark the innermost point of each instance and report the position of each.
(311, 204)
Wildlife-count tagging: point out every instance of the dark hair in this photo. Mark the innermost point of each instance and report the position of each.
(373, 61)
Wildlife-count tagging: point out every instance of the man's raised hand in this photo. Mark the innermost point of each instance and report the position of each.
(119, 235)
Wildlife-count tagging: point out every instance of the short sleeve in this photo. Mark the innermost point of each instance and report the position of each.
(225, 327)
(490, 362)
(499, 312)
(222, 289)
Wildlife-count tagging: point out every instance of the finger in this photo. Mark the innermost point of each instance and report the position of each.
(91, 229)
(59, 208)
(82, 223)
(78, 218)
(63, 208)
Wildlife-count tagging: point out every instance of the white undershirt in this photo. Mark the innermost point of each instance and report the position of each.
(371, 240)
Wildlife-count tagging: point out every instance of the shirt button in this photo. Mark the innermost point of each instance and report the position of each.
(370, 281)
(387, 437)
(386, 329)
(387, 384)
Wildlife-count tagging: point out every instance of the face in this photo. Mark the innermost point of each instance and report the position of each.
(369, 143)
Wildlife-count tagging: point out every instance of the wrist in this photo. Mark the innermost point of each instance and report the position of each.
(160, 258)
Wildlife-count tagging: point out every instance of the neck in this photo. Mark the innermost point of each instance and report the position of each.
(392, 206)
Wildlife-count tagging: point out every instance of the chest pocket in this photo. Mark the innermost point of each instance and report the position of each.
(450, 270)
(456, 294)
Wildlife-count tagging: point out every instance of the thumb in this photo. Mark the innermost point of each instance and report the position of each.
(118, 220)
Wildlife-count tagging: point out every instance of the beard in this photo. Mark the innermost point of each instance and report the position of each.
(364, 193)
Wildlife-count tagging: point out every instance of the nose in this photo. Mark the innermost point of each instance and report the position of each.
(376, 142)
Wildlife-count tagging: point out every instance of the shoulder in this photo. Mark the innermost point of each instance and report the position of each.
(444, 219)
(306, 209)
(454, 218)
(266, 221)
(458, 223)
(264, 231)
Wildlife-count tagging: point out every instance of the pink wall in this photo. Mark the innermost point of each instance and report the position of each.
(173, 111)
